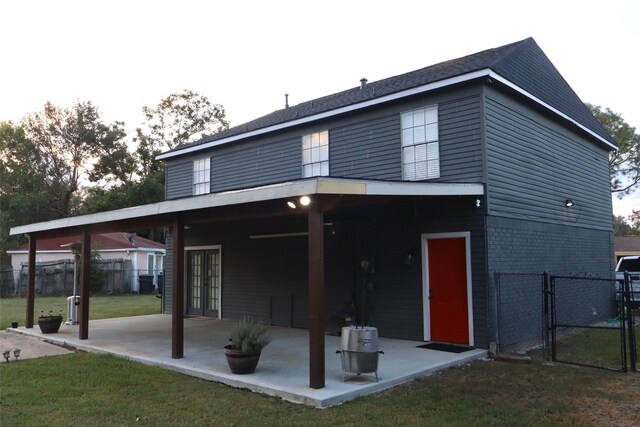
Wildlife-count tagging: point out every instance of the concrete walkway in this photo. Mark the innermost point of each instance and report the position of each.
(284, 365)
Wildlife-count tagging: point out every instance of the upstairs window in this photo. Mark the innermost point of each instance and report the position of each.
(420, 152)
(201, 176)
(315, 154)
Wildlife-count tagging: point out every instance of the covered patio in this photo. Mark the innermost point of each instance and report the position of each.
(263, 205)
(283, 370)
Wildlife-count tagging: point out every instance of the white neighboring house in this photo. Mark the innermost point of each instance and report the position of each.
(146, 256)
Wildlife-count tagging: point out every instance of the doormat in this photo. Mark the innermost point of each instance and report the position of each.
(451, 348)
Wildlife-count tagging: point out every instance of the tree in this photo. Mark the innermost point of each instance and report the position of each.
(624, 164)
(620, 226)
(64, 143)
(23, 196)
(180, 118)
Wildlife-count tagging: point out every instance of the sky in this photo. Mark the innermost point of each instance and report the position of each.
(245, 55)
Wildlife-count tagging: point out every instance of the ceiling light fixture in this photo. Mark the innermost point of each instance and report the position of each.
(305, 200)
(291, 204)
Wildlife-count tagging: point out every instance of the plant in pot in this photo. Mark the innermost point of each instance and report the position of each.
(49, 324)
(247, 341)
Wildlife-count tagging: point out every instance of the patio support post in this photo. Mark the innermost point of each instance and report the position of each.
(31, 281)
(85, 261)
(177, 312)
(316, 298)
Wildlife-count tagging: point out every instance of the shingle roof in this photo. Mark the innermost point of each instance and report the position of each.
(523, 63)
(627, 243)
(103, 241)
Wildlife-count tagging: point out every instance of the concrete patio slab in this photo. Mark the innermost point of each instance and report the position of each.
(283, 370)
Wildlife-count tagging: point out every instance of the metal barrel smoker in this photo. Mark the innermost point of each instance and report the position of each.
(359, 350)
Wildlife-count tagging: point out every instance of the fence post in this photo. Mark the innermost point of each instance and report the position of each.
(545, 316)
(626, 298)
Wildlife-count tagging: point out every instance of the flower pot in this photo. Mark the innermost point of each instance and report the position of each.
(239, 362)
(49, 324)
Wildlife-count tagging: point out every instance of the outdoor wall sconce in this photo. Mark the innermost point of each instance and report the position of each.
(568, 203)
(303, 201)
(410, 257)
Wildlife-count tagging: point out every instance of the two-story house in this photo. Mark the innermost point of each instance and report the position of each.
(396, 200)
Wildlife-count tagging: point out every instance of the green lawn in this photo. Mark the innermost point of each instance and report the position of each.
(99, 389)
(92, 389)
(100, 307)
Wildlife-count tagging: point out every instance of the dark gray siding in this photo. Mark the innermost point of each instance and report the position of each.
(364, 145)
(257, 162)
(179, 177)
(520, 246)
(257, 272)
(534, 165)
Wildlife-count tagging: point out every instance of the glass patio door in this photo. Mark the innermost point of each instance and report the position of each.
(203, 282)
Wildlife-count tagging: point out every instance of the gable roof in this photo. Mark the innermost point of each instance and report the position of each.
(105, 241)
(521, 64)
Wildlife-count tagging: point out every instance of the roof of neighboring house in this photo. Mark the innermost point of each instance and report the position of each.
(105, 241)
(522, 63)
(627, 243)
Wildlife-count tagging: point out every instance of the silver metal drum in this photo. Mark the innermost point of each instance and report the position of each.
(359, 350)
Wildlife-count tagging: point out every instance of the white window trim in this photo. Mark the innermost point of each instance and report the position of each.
(437, 141)
(206, 183)
(303, 164)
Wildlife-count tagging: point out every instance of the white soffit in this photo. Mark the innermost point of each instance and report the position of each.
(307, 187)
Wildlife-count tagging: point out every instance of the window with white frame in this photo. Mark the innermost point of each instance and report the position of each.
(315, 154)
(420, 152)
(201, 176)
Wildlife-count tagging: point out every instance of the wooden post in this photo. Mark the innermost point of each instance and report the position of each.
(31, 281)
(316, 298)
(177, 312)
(85, 261)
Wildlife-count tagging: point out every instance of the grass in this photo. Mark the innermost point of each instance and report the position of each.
(100, 307)
(115, 391)
(100, 389)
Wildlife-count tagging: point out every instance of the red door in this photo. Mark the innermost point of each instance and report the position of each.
(447, 290)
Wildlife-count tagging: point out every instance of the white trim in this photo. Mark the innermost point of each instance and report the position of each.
(518, 89)
(408, 92)
(55, 251)
(305, 187)
(486, 72)
(425, 237)
(186, 278)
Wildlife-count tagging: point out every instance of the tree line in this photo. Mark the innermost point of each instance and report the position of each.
(61, 162)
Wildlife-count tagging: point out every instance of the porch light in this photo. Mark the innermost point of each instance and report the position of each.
(568, 203)
(305, 200)
(291, 204)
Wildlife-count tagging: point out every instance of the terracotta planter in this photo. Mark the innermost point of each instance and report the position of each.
(239, 362)
(49, 324)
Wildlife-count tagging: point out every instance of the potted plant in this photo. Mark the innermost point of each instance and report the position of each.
(247, 341)
(50, 324)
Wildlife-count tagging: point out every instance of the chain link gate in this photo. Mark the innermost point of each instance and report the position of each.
(574, 309)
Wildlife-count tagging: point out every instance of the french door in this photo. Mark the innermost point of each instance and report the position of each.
(203, 282)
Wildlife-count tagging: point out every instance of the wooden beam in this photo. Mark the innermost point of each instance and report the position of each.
(31, 281)
(316, 298)
(85, 273)
(177, 312)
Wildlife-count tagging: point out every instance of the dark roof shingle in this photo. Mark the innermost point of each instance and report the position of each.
(523, 63)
